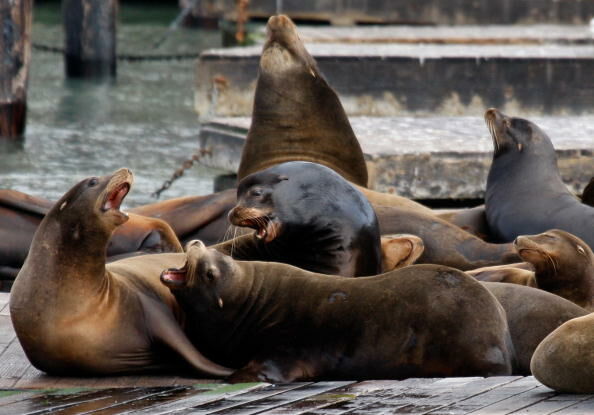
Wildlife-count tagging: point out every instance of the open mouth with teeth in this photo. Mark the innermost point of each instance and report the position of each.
(174, 277)
(267, 228)
(114, 198)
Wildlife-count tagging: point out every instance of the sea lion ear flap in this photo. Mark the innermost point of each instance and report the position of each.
(175, 278)
(400, 250)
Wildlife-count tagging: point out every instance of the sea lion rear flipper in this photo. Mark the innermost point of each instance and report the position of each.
(165, 328)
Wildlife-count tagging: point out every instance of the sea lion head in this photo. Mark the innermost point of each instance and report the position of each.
(93, 205)
(554, 250)
(297, 115)
(204, 277)
(517, 136)
(297, 196)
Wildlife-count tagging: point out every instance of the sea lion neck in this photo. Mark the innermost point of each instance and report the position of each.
(297, 115)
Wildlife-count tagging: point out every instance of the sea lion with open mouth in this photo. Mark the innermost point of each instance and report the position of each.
(279, 323)
(74, 315)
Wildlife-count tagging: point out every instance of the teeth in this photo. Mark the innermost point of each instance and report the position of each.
(261, 234)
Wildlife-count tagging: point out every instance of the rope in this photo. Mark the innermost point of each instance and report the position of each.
(180, 171)
(128, 58)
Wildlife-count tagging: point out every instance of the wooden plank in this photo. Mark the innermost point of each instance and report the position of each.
(7, 333)
(13, 364)
(585, 407)
(113, 401)
(493, 396)
(262, 405)
(519, 401)
(447, 392)
(4, 299)
(369, 393)
(42, 402)
(553, 405)
(205, 394)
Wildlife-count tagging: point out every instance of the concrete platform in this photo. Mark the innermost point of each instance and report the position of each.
(395, 79)
(404, 11)
(427, 157)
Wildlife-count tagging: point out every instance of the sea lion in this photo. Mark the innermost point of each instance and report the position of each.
(521, 273)
(411, 322)
(298, 116)
(194, 217)
(472, 220)
(563, 263)
(531, 315)
(74, 315)
(21, 214)
(445, 243)
(400, 250)
(307, 215)
(525, 194)
(588, 193)
(564, 360)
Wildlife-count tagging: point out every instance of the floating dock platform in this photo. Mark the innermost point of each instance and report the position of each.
(426, 157)
(25, 390)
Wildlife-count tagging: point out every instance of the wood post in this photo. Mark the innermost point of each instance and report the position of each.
(15, 55)
(90, 36)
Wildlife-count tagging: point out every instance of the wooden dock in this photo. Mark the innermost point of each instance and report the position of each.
(25, 390)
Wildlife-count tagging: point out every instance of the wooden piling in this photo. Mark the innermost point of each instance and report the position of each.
(90, 38)
(15, 55)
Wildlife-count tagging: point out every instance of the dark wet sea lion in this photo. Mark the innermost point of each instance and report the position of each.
(588, 193)
(445, 243)
(525, 194)
(309, 216)
(564, 360)
(563, 263)
(281, 324)
(531, 315)
(74, 315)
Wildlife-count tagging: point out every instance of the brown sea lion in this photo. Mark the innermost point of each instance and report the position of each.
(521, 273)
(472, 220)
(74, 315)
(525, 194)
(564, 360)
(298, 116)
(445, 243)
(21, 214)
(279, 323)
(194, 217)
(531, 315)
(400, 250)
(307, 215)
(563, 263)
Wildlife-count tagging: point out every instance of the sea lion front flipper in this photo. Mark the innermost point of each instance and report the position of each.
(165, 328)
(400, 250)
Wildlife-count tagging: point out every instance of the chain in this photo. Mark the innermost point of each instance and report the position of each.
(129, 58)
(180, 172)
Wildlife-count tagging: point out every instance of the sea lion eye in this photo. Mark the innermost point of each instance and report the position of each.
(257, 192)
(93, 182)
(581, 250)
(210, 275)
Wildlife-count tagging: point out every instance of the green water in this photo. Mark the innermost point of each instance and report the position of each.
(144, 120)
